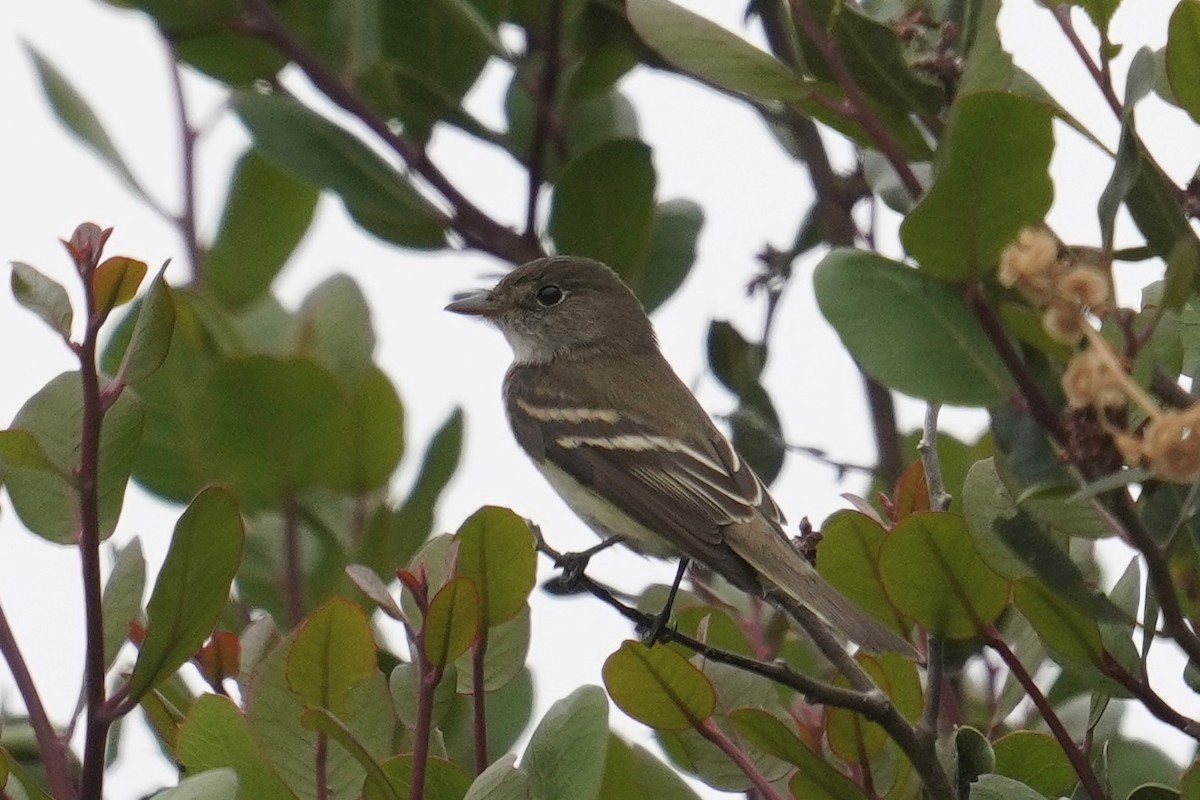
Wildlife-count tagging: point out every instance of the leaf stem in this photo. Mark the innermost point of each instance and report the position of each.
(479, 700)
(709, 730)
(1083, 769)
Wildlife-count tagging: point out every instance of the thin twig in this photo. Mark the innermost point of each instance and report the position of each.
(1149, 698)
(709, 730)
(939, 498)
(856, 106)
(292, 578)
(545, 101)
(1062, 14)
(1079, 762)
(186, 220)
(477, 229)
(479, 700)
(87, 490)
(51, 750)
(864, 697)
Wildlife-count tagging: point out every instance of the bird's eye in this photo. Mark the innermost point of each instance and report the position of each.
(549, 295)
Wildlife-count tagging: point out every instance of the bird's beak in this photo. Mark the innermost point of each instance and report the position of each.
(477, 303)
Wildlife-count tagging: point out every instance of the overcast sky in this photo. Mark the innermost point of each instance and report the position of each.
(706, 148)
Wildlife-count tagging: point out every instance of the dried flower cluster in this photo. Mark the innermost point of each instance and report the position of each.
(1096, 382)
(1053, 279)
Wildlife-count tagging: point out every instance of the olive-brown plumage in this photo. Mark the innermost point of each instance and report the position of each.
(596, 406)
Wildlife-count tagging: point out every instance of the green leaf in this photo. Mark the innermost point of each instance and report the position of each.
(658, 687)
(115, 282)
(1071, 635)
(848, 557)
(214, 735)
(267, 212)
(334, 328)
(992, 179)
(378, 784)
(43, 296)
(815, 778)
(192, 587)
(986, 501)
(1183, 56)
(565, 754)
(712, 53)
(393, 536)
(122, 598)
(269, 424)
(989, 66)
(603, 204)
(404, 684)
(46, 498)
(632, 771)
(371, 440)
(998, 787)
(500, 781)
(74, 113)
(150, 341)
(934, 348)
(875, 57)
(504, 659)
(756, 429)
(274, 713)
(444, 780)
(216, 784)
(313, 149)
(496, 552)
(440, 49)
(332, 652)
(452, 621)
(1035, 759)
(933, 574)
(671, 253)
(21, 449)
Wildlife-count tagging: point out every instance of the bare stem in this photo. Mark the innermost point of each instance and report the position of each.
(545, 102)
(51, 750)
(186, 220)
(709, 730)
(479, 701)
(87, 489)
(864, 697)
(292, 578)
(1079, 762)
(856, 104)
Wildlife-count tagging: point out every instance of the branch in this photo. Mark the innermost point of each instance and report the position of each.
(477, 229)
(857, 107)
(1062, 14)
(186, 219)
(292, 579)
(545, 102)
(51, 750)
(87, 491)
(1087, 776)
(1149, 698)
(479, 700)
(864, 698)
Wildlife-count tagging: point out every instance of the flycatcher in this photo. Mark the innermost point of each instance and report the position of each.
(619, 436)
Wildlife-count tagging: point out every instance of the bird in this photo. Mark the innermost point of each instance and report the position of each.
(594, 403)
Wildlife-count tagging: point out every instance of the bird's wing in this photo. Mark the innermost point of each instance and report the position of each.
(686, 493)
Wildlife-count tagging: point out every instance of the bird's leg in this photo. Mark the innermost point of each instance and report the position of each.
(573, 564)
(655, 631)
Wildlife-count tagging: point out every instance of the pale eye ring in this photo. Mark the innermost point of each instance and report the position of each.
(549, 295)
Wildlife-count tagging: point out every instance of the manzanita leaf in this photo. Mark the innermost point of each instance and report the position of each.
(658, 687)
(933, 348)
(192, 587)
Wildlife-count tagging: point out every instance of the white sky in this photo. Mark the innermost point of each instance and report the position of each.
(706, 148)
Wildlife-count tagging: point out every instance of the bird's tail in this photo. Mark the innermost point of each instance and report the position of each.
(791, 581)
